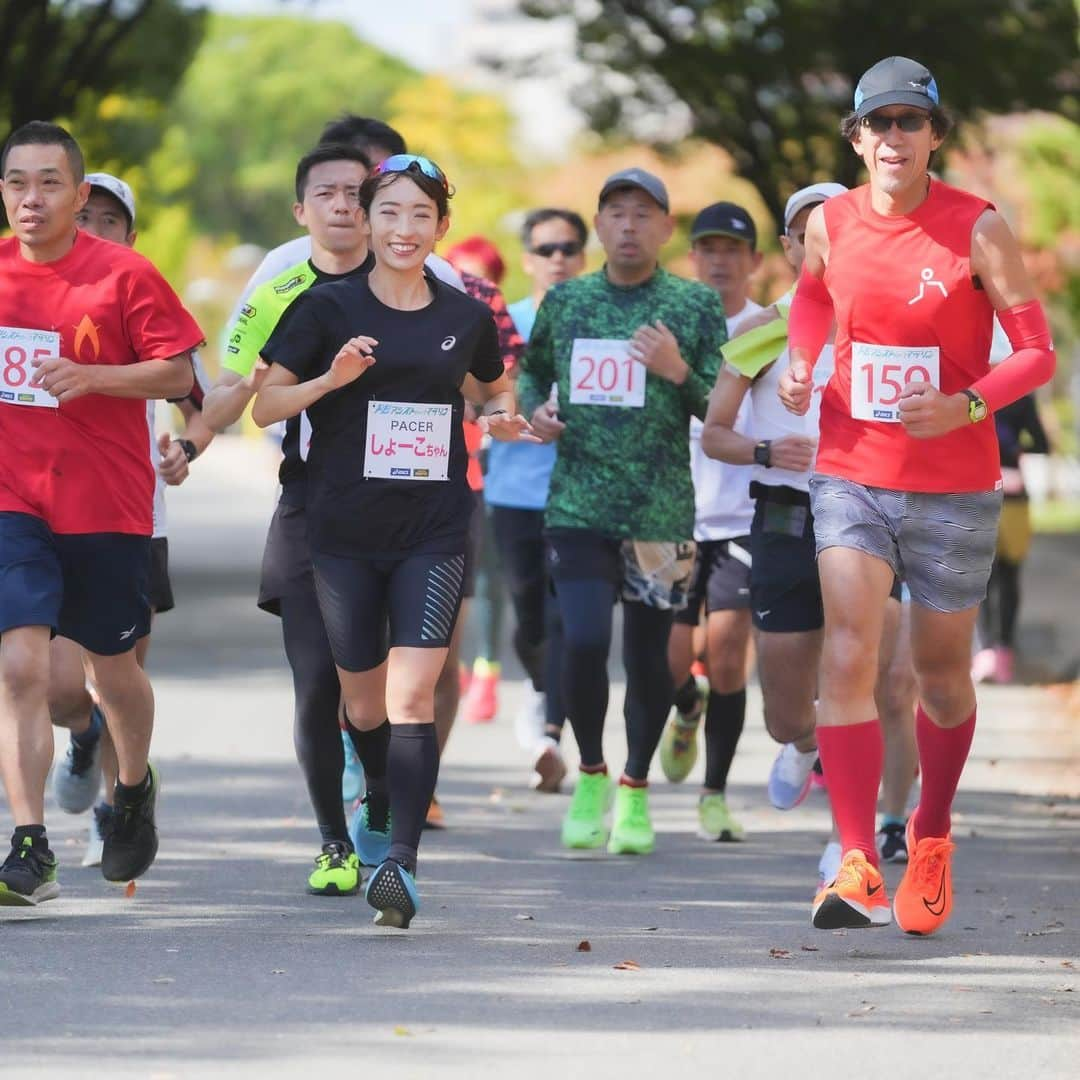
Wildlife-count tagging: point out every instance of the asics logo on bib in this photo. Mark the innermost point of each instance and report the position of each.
(448, 343)
(928, 282)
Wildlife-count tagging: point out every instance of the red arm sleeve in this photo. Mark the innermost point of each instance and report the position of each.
(811, 316)
(1031, 363)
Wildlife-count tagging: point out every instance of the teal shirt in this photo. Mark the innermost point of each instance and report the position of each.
(624, 472)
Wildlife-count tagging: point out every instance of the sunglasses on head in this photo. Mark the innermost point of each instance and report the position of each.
(909, 122)
(569, 248)
(403, 163)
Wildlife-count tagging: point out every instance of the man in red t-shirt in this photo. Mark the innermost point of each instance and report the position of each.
(907, 479)
(88, 332)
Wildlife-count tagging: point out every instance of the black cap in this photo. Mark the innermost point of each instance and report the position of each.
(896, 80)
(653, 186)
(724, 219)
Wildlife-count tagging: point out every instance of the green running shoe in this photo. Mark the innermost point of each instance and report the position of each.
(28, 875)
(678, 747)
(583, 826)
(715, 821)
(336, 873)
(631, 830)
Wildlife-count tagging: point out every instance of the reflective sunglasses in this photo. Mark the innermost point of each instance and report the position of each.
(909, 122)
(400, 163)
(569, 248)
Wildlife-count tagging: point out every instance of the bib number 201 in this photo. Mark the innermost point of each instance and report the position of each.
(879, 374)
(18, 348)
(604, 373)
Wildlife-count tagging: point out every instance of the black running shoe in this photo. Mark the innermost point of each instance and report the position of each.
(892, 843)
(391, 891)
(131, 840)
(28, 875)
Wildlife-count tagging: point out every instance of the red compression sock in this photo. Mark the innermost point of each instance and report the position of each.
(851, 758)
(943, 752)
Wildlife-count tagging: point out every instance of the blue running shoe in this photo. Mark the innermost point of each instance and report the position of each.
(77, 779)
(392, 893)
(369, 830)
(352, 777)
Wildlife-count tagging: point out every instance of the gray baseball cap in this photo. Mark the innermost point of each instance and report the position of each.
(896, 80)
(114, 186)
(653, 186)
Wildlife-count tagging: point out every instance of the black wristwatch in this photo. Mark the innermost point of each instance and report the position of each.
(763, 454)
(191, 451)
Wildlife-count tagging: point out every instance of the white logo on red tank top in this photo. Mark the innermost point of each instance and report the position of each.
(928, 282)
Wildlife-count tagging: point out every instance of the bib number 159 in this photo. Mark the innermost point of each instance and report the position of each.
(879, 374)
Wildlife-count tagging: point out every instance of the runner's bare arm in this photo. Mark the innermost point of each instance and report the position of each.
(228, 397)
(718, 439)
(499, 416)
(282, 396)
(146, 380)
(811, 318)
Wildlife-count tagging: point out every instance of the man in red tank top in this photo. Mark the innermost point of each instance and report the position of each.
(907, 479)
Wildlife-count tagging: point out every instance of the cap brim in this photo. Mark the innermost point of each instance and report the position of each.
(799, 207)
(894, 97)
(629, 185)
(734, 234)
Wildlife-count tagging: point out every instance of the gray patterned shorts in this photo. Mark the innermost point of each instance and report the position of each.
(940, 545)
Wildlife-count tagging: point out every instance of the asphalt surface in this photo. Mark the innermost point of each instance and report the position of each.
(220, 965)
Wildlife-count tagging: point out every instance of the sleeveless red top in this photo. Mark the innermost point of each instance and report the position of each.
(906, 307)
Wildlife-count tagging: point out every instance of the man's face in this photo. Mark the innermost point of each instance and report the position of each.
(104, 216)
(724, 263)
(894, 158)
(555, 253)
(41, 195)
(793, 240)
(331, 207)
(632, 228)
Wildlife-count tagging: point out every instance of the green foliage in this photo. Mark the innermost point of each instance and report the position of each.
(254, 100)
(768, 79)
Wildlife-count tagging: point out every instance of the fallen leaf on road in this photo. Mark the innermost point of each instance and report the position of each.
(129, 890)
(496, 795)
(986, 1012)
(780, 954)
(1067, 963)
(862, 1010)
(278, 971)
(163, 980)
(584, 946)
(402, 1031)
(810, 948)
(627, 965)
(964, 989)
(172, 950)
(649, 928)
(670, 907)
(524, 918)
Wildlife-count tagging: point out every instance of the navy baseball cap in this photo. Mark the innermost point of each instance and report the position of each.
(896, 80)
(724, 219)
(653, 186)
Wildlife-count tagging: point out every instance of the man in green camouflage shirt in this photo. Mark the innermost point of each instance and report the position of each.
(633, 351)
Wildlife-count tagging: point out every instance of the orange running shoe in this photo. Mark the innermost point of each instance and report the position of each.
(924, 897)
(856, 898)
(435, 819)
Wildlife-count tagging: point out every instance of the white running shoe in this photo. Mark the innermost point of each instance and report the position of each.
(790, 776)
(98, 822)
(531, 717)
(829, 864)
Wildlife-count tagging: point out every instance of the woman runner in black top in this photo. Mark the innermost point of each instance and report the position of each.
(380, 363)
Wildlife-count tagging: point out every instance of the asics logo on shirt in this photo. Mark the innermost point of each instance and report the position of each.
(448, 343)
(928, 282)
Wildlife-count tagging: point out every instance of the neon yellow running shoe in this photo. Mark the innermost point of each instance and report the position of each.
(336, 873)
(584, 825)
(631, 829)
(715, 821)
(678, 748)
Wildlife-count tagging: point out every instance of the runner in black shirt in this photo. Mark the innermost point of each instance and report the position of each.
(388, 505)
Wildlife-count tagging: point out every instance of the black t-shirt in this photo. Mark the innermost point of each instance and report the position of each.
(292, 475)
(422, 357)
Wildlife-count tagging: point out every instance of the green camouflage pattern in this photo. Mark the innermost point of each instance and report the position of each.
(624, 472)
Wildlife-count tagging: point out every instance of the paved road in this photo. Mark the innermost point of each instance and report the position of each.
(220, 965)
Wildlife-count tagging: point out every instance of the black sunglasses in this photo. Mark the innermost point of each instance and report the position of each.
(909, 122)
(569, 248)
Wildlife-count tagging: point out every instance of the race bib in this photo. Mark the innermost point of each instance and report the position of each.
(880, 372)
(604, 373)
(17, 349)
(407, 441)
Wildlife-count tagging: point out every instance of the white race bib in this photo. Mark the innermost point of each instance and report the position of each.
(604, 373)
(17, 349)
(407, 441)
(880, 372)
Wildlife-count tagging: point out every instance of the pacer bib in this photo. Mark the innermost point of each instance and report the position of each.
(17, 349)
(407, 441)
(604, 373)
(880, 372)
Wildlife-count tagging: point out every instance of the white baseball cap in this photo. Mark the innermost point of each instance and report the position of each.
(810, 196)
(115, 187)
